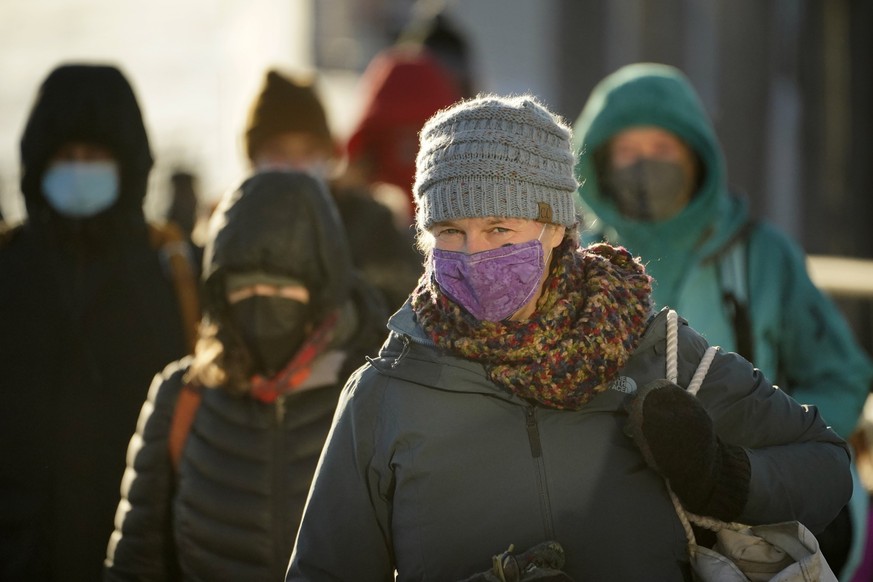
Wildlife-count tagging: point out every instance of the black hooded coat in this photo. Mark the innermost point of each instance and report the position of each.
(231, 508)
(88, 315)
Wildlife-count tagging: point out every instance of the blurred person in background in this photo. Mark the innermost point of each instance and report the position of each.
(654, 180)
(288, 129)
(184, 212)
(227, 442)
(184, 202)
(89, 311)
(442, 39)
(400, 89)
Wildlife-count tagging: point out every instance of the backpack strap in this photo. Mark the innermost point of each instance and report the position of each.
(733, 275)
(175, 255)
(187, 404)
(732, 262)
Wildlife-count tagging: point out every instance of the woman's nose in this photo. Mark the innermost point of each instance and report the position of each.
(475, 244)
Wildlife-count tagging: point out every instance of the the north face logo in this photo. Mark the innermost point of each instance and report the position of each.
(624, 384)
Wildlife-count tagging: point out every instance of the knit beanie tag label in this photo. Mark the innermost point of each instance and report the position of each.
(544, 212)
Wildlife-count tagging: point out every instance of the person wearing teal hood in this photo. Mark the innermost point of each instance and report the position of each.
(654, 180)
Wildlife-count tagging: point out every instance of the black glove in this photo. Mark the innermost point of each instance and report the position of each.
(676, 437)
(541, 563)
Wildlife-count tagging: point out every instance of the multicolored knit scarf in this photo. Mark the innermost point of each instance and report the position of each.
(589, 319)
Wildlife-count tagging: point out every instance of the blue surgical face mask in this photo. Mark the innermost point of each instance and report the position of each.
(81, 189)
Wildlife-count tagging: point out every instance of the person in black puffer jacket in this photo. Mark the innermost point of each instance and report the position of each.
(286, 320)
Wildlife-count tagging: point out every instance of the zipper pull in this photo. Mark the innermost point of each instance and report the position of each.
(403, 352)
(533, 431)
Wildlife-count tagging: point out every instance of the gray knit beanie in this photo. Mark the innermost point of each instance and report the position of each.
(495, 156)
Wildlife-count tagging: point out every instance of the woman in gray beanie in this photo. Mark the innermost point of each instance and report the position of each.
(497, 412)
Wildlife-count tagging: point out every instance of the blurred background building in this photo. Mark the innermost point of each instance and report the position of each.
(789, 83)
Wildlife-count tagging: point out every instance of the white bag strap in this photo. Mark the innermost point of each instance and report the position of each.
(685, 517)
(673, 356)
(672, 346)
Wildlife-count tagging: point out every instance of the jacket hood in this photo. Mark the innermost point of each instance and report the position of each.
(409, 354)
(91, 103)
(282, 223)
(656, 95)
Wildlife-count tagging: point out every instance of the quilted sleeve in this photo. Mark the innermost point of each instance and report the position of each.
(141, 547)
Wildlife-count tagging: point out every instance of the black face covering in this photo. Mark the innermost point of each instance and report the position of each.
(273, 329)
(647, 189)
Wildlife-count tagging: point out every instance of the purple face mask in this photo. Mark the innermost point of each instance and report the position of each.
(492, 285)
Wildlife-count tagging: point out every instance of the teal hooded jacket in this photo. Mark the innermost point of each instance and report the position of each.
(799, 339)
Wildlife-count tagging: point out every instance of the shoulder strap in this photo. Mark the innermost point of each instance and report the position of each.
(183, 417)
(733, 273)
(168, 240)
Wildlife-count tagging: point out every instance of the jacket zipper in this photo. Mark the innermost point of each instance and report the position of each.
(278, 437)
(533, 432)
(536, 451)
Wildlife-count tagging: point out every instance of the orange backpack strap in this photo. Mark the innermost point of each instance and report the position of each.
(169, 241)
(183, 417)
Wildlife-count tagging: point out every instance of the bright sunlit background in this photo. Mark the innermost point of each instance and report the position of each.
(196, 66)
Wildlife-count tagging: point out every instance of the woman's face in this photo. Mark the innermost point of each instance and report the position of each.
(474, 235)
(649, 142)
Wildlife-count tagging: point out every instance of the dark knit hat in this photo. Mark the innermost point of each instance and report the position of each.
(495, 156)
(285, 104)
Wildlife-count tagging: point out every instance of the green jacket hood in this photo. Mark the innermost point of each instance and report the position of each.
(656, 95)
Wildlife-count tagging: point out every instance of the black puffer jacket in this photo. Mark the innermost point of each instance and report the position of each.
(88, 315)
(234, 507)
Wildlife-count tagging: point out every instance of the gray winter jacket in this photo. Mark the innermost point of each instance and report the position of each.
(430, 469)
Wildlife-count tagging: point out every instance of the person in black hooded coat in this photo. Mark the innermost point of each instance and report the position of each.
(286, 320)
(88, 314)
